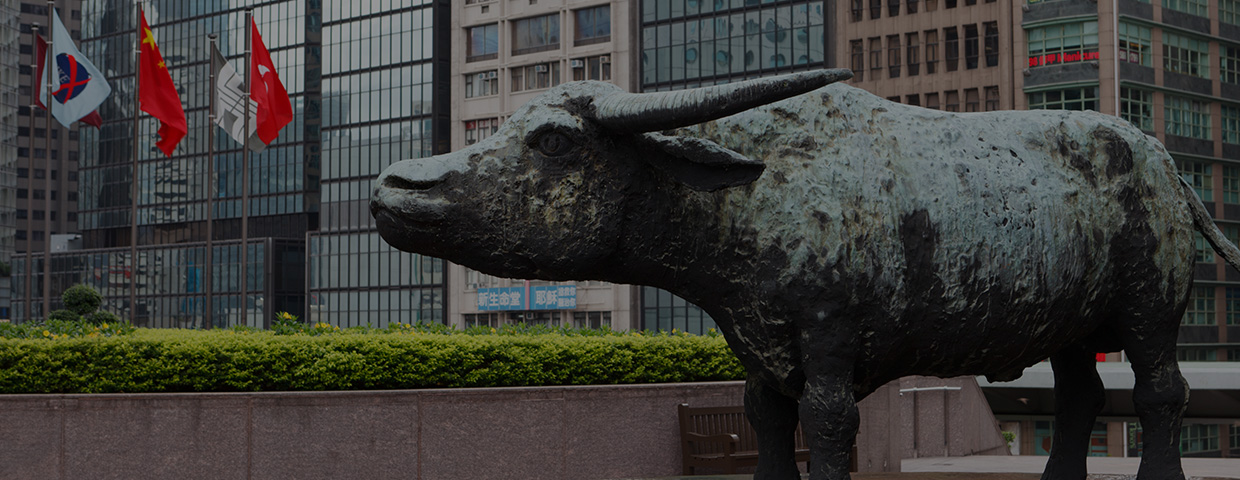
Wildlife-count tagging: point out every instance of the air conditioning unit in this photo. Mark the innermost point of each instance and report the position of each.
(540, 68)
(605, 59)
(490, 74)
(482, 76)
(577, 63)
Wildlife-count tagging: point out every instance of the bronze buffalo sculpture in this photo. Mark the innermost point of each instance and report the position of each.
(841, 241)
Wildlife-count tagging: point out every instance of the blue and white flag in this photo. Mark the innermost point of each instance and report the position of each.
(77, 86)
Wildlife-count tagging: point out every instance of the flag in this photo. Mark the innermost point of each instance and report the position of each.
(274, 108)
(227, 103)
(93, 119)
(156, 93)
(78, 87)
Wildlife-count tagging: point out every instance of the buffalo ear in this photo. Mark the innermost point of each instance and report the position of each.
(702, 165)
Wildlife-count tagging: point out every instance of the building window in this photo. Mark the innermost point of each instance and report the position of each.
(932, 50)
(1063, 43)
(876, 55)
(953, 101)
(1196, 437)
(1187, 117)
(1137, 106)
(876, 9)
(476, 130)
(663, 311)
(1084, 98)
(970, 47)
(972, 102)
(949, 4)
(481, 84)
(932, 99)
(992, 98)
(914, 100)
(595, 320)
(951, 40)
(913, 56)
(1229, 11)
(593, 25)
(483, 43)
(1186, 55)
(1233, 307)
(536, 34)
(1195, 354)
(592, 68)
(1231, 125)
(857, 8)
(532, 77)
(992, 44)
(1204, 252)
(856, 60)
(1135, 44)
(1229, 66)
(1194, 7)
(482, 320)
(911, 6)
(893, 8)
(1200, 307)
(893, 56)
(1198, 175)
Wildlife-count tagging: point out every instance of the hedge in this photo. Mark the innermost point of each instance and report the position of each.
(166, 360)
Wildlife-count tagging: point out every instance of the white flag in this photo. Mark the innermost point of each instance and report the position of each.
(229, 107)
(77, 86)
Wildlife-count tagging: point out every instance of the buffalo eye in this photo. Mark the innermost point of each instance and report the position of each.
(553, 144)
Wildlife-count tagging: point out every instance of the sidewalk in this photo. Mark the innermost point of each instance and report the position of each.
(1193, 467)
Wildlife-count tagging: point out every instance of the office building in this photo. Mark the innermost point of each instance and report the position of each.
(10, 58)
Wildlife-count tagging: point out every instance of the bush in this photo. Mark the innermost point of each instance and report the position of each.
(82, 299)
(166, 360)
(101, 317)
(63, 316)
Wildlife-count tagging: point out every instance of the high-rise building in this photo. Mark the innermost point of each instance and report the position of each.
(10, 58)
(384, 85)
(169, 269)
(509, 52)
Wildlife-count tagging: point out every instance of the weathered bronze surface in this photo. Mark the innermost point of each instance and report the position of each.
(841, 241)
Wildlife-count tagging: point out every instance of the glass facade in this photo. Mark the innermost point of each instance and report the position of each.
(688, 43)
(10, 37)
(385, 85)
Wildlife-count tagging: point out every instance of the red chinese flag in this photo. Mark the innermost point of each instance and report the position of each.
(157, 95)
(274, 109)
(93, 119)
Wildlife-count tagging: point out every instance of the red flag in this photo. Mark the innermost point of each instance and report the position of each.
(274, 108)
(157, 95)
(93, 119)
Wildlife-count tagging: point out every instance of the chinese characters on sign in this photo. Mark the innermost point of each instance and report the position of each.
(556, 297)
(1065, 57)
(559, 297)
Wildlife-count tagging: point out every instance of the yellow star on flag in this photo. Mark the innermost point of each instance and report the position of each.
(147, 39)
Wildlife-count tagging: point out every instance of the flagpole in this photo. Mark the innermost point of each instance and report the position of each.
(133, 188)
(47, 176)
(210, 174)
(245, 170)
(34, 42)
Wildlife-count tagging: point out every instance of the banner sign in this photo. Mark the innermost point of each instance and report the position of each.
(1065, 57)
(511, 298)
(557, 297)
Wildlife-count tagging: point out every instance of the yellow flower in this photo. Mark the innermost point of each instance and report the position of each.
(46, 333)
(104, 325)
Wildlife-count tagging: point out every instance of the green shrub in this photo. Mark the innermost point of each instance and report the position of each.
(64, 316)
(101, 317)
(166, 360)
(82, 299)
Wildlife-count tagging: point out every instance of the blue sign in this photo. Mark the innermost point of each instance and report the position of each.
(557, 297)
(511, 298)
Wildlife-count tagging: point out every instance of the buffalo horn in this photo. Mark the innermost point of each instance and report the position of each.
(653, 112)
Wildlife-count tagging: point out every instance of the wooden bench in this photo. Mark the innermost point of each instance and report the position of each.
(721, 438)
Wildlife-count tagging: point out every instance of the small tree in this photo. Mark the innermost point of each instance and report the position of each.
(82, 299)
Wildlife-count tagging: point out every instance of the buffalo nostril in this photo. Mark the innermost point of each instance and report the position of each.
(400, 183)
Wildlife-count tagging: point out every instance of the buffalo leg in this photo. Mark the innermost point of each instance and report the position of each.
(1079, 396)
(829, 417)
(1160, 396)
(774, 419)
